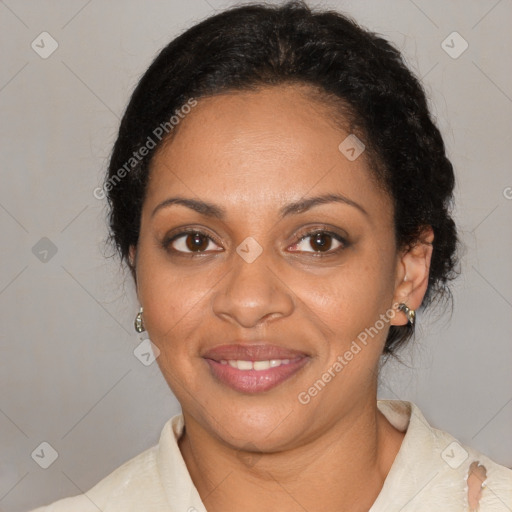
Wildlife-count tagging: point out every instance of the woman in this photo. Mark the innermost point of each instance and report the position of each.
(282, 198)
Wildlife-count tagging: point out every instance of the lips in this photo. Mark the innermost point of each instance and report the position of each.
(254, 368)
(256, 352)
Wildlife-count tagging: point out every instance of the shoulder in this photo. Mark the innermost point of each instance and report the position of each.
(119, 485)
(480, 482)
(435, 471)
(126, 488)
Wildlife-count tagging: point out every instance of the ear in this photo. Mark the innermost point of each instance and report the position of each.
(132, 255)
(412, 275)
(132, 259)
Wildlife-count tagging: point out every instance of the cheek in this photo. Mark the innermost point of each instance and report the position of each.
(174, 301)
(174, 313)
(351, 297)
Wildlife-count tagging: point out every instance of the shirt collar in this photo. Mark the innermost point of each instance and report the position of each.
(417, 461)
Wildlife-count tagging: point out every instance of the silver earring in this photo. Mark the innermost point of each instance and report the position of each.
(139, 324)
(410, 313)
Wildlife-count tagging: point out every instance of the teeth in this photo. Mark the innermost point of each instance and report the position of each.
(244, 365)
(261, 365)
(256, 365)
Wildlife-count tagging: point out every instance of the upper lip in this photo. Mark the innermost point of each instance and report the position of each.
(253, 352)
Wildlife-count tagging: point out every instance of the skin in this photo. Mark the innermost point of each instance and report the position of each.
(251, 154)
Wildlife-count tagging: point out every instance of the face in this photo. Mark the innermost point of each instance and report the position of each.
(264, 256)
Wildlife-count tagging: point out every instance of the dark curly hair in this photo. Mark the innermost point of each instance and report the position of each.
(257, 45)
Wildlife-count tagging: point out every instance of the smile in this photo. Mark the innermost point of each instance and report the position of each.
(255, 365)
(255, 376)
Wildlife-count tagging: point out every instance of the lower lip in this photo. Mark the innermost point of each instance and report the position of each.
(255, 381)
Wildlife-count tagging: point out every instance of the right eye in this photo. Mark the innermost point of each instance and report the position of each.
(191, 242)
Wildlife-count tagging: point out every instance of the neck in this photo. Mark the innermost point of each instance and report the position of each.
(343, 469)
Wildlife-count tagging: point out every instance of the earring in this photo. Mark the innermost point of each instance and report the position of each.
(139, 324)
(410, 313)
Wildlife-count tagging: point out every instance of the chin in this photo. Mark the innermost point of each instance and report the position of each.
(260, 422)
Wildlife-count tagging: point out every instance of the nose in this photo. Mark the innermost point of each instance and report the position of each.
(252, 294)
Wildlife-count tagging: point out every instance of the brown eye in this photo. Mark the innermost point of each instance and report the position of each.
(319, 242)
(193, 242)
(196, 242)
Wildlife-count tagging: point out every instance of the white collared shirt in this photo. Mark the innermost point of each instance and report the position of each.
(428, 475)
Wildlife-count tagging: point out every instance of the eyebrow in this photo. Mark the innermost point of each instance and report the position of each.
(211, 210)
(308, 203)
(202, 207)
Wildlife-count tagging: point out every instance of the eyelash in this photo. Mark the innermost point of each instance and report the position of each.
(166, 243)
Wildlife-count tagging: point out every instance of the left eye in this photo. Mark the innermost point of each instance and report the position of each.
(318, 242)
(194, 242)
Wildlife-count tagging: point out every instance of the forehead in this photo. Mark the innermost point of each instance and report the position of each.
(277, 144)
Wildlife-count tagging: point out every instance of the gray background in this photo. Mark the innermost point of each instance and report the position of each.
(68, 372)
